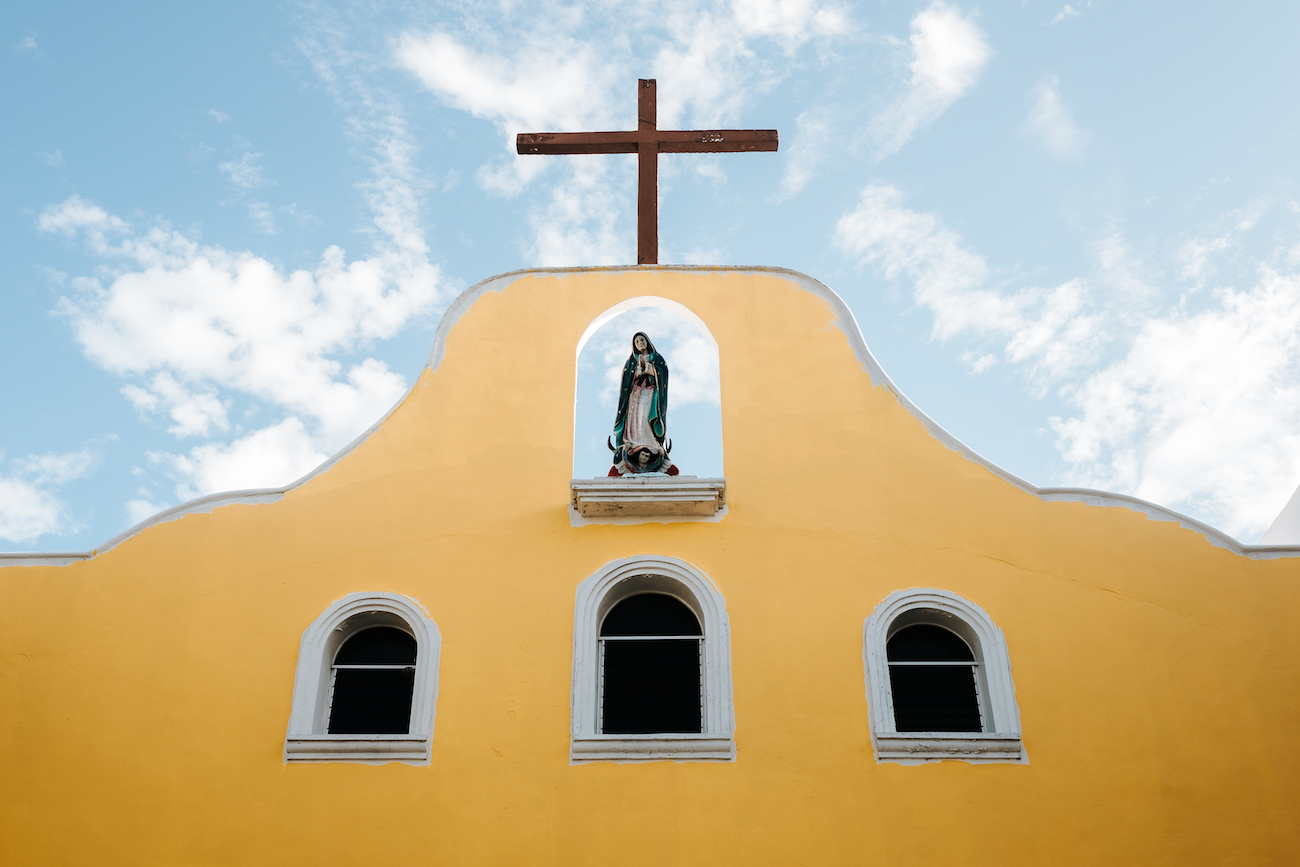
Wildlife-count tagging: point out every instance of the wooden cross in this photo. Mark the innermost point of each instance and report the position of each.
(647, 143)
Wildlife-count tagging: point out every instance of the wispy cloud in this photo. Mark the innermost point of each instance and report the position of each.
(219, 116)
(262, 217)
(55, 468)
(196, 412)
(948, 54)
(1197, 254)
(196, 328)
(814, 129)
(29, 506)
(535, 69)
(1069, 11)
(192, 324)
(27, 511)
(580, 224)
(273, 455)
(1195, 409)
(1203, 410)
(1051, 123)
(26, 45)
(74, 216)
(1051, 330)
(245, 172)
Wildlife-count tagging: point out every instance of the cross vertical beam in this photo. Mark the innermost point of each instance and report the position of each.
(647, 170)
(647, 142)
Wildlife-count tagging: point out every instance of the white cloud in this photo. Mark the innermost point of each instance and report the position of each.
(1202, 412)
(1051, 123)
(26, 511)
(195, 328)
(196, 413)
(1051, 330)
(791, 21)
(1125, 272)
(219, 116)
(1198, 410)
(74, 214)
(196, 325)
(812, 138)
(270, 457)
(539, 68)
(566, 86)
(580, 224)
(212, 319)
(948, 54)
(1196, 255)
(28, 508)
(554, 83)
(140, 508)
(261, 215)
(27, 43)
(1069, 11)
(245, 173)
(52, 159)
(53, 468)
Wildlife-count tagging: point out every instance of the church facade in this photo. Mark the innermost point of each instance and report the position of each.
(900, 653)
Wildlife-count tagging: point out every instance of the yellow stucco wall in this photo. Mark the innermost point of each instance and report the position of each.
(144, 693)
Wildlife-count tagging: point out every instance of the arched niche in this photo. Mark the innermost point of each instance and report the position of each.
(694, 392)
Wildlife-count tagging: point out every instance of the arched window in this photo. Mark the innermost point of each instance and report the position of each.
(932, 679)
(366, 684)
(651, 665)
(371, 682)
(939, 681)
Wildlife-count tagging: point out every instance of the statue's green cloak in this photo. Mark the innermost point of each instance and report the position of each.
(659, 403)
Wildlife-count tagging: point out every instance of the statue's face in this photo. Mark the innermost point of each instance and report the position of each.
(639, 343)
(644, 457)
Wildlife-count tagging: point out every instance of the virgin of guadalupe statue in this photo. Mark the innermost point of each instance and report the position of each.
(640, 443)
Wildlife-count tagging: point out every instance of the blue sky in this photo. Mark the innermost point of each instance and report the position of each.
(1070, 233)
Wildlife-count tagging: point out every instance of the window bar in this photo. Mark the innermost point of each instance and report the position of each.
(600, 681)
(975, 678)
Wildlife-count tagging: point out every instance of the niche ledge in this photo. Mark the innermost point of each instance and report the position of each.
(648, 496)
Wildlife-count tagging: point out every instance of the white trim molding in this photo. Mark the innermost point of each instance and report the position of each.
(611, 584)
(1000, 740)
(649, 496)
(307, 739)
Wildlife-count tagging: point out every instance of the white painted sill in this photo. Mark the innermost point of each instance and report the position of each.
(365, 749)
(915, 748)
(649, 496)
(651, 748)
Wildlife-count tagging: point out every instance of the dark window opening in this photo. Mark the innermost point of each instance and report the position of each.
(650, 667)
(932, 679)
(372, 683)
(651, 614)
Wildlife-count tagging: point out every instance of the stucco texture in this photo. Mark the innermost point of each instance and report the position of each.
(144, 693)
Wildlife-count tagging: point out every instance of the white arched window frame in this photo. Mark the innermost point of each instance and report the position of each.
(599, 593)
(1000, 740)
(308, 739)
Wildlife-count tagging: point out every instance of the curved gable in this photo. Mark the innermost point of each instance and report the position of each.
(612, 286)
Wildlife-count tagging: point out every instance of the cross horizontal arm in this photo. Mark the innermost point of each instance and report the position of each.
(715, 141)
(578, 142)
(669, 141)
